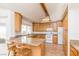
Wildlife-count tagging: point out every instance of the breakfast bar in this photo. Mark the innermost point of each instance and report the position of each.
(36, 46)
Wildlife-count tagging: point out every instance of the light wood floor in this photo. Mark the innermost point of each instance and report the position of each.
(54, 50)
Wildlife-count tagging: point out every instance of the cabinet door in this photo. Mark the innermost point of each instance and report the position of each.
(18, 22)
(55, 27)
(55, 39)
(65, 47)
(34, 27)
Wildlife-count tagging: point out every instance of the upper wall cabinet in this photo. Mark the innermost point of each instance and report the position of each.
(18, 22)
(42, 27)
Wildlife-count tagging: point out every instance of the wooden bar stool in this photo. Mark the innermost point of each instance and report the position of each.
(23, 51)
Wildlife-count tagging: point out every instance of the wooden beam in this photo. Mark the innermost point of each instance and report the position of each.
(65, 13)
(44, 8)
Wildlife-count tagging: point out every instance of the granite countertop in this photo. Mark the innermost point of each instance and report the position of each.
(30, 41)
(35, 41)
(75, 44)
(36, 33)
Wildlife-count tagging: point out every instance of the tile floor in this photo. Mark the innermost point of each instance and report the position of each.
(54, 50)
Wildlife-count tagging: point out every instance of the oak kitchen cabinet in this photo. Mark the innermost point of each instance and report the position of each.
(55, 39)
(35, 27)
(18, 22)
(65, 34)
(42, 27)
(55, 28)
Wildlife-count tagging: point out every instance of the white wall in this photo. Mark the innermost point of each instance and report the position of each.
(11, 24)
(26, 22)
(73, 24)
(9, 21)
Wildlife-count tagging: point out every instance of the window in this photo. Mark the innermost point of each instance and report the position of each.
(26, 29)
(2, 33)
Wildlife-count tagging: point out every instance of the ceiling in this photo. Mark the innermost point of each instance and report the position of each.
(56, 10)
(74, 6)
(35, 12)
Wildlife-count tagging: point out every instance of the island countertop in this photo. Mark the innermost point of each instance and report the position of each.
(35, 41)
(29, 41)
(75, 44)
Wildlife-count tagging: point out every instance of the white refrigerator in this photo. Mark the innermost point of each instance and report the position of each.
(49, 38)
(49, 35)
(60, 35)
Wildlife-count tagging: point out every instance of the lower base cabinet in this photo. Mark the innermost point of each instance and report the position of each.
(65, 48)
(55, 39)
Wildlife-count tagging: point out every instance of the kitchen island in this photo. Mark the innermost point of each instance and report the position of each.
(36, 45)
